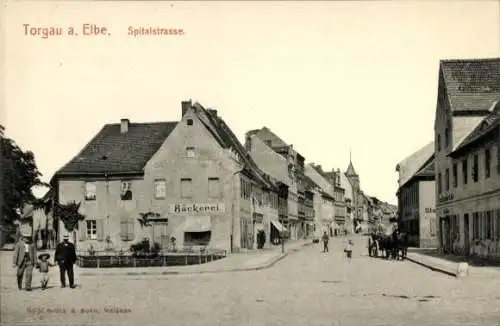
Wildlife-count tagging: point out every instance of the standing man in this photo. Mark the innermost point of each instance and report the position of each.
(24, 259)
(325, 239)
(65, 257)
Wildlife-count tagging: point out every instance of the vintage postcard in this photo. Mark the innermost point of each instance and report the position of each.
(250, 163)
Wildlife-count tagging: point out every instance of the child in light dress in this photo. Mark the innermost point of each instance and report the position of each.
(43, 265)
(348, 249)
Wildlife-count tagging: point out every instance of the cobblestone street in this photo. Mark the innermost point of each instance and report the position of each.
(306, 288)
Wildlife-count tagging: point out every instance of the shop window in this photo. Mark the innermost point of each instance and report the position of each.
(90, 191)
(475, 226)
(197, 238)
(489, 225)
(126, 190)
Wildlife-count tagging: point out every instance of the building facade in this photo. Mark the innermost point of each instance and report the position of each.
(467, 93)
(295, 168)
(192, 178)
(416, 198)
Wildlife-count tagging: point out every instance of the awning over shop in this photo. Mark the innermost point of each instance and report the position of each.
(197, 224)
(278, 226)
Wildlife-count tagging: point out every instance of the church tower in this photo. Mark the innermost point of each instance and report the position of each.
(356, 191)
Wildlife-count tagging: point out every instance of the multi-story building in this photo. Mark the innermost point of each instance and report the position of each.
(324, 200)
(467, 93)
(295, 168)
(193, 176)
(348, 199)
(276, 166)
(416, 197)
(359, 203)
(474, 227)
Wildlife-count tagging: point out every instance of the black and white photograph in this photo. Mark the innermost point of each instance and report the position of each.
(198, 163)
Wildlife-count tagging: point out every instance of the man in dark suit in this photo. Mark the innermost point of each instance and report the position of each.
(24, 259)
(65, 257)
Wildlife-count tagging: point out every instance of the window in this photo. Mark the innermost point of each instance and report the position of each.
(90, 191)
(497, 224)
(465, 171)
(92, 229)
(475, 168)
(160, 188)
(197, 238)
(126, 190)
(447, 179)
(189, 122)
(487, 162)
(214, 187)
(190, 152)
(455, 175)
(268, 143)
(439, 142)
(127, 230)
(475, 226)
(446, 138)
(186, 188)
(489, 225)
(439, 183)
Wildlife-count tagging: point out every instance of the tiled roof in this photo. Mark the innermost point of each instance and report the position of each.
(487, 125)
(228, 140)
(471, 84)
(112, 152)
(413, 163)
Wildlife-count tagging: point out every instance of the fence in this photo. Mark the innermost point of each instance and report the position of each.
(104, 259)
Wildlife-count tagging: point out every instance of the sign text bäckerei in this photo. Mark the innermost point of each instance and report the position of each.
(195, 208)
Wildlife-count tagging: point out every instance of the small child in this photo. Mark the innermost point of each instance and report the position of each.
(44, 265)
(348, 249)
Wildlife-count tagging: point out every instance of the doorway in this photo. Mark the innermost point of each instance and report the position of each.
(160, 234)
(466, 234)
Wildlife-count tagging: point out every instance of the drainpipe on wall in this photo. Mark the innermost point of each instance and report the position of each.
(235, 198)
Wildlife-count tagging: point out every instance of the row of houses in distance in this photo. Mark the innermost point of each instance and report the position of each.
(449, 191)
(203, 186)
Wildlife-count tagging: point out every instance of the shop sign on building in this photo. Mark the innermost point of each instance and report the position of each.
(213, 208)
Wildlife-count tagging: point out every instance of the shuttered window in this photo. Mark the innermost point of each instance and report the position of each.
(127, 230)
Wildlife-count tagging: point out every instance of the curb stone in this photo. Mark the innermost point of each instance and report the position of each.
(262, 266)
(432, 267)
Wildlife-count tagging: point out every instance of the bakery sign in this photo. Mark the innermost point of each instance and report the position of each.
(213, 208)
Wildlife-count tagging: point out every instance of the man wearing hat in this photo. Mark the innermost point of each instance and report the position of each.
(65, 257)
(24, 259)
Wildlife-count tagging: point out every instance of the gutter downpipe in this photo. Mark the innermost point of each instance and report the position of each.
(235, 198)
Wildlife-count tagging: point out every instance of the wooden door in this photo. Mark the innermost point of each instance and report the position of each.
(160, 234)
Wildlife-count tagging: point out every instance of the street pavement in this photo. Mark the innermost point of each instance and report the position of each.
(306, 288)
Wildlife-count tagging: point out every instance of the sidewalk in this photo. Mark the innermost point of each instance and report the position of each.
(246, 261)
(449, 264)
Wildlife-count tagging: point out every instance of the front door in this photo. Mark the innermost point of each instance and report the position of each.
(466, 234)
(160, 234)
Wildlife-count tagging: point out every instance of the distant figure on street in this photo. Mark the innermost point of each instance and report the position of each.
(348, 249)
(43, 265)
(66, 257)
(24, 259)
(325, 239)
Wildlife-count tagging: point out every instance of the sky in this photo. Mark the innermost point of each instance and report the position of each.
(327, 77)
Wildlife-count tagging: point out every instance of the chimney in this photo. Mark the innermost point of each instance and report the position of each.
(213, 112)
(124, 125)
(185, 106)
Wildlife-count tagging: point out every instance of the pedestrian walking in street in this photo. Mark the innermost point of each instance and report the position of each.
(348, 249)
(24, 260)
(43, 265)
(325, 239)
(65, 257)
